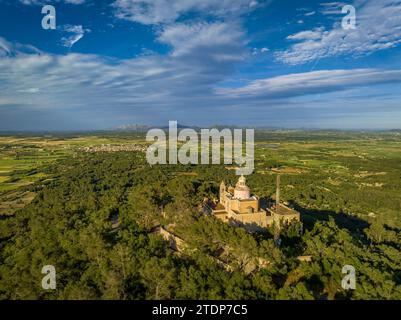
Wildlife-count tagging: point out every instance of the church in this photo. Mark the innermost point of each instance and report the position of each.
(239, 207)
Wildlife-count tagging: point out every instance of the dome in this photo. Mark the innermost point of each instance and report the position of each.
(241, 190)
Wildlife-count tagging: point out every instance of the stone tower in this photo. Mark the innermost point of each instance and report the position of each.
(222, 193)
(278, 191)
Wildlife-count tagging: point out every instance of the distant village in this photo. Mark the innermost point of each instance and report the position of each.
(114, 148)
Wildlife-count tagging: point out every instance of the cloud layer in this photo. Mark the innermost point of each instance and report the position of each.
(92, 86)
(322, 81)
(43, 2)
(167, 11)
(378, 28)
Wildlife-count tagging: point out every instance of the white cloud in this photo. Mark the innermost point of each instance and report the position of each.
(43, 2)
(329, 8)
(167, 11)
(314, 82)
(11, 49)
(75, 1)
(315, 34)
(256, 51)
(222, 41)
(5, 47)
(30, 90)
(378, 28)
(88, 81)
(207, 41)
(76, 34)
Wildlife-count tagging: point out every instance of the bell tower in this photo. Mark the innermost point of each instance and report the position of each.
(278, 191)
(222, 193)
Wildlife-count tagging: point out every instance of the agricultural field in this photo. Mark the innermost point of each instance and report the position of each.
(359, 174)
(25, 160)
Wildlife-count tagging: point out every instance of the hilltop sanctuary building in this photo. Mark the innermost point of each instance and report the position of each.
(238, 206)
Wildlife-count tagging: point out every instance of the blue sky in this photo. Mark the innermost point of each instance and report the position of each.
(237, 62)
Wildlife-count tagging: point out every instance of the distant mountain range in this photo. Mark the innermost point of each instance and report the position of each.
(133, 127)
(145, 128)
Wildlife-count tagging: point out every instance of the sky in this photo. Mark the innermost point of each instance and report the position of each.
(271, 63)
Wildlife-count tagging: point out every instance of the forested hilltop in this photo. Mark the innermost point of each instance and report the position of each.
(96, 221)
